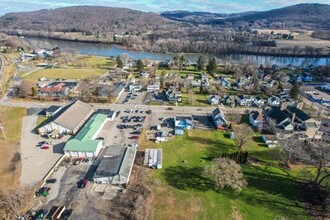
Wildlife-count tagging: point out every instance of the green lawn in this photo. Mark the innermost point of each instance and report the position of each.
(95, 61)
(181, 192)
(69, 73)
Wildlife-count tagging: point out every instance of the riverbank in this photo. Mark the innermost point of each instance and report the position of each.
(107, 50)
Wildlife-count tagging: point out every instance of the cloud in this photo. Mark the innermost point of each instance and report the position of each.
(220, 6)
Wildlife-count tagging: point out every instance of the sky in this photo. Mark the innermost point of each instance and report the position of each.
(220, 6)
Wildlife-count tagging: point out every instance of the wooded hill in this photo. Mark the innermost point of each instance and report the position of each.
(86, 19)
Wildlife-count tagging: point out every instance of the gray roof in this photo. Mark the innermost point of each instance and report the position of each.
(116, 161)
(73, 114)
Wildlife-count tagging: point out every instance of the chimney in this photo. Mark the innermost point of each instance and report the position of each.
(293, 117)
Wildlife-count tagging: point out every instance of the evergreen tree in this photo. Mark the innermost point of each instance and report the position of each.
(120, 63)
(294, 92)
(140, 66)
(200, 63)
(212, 66)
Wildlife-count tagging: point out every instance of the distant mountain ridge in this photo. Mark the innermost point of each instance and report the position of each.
(315, 15)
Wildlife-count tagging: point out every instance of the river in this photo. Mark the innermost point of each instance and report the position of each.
(113, 50)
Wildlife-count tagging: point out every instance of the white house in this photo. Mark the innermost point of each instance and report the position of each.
(153, 87)
(134, 87)
(245, 100)
(258, 101)
(215, 100)
(273, 101)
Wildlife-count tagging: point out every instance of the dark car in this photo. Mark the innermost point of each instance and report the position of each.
(134, 137)
(82, 183)
(148, 112)
(41, 214)
(66, 214)
(169, 108)
(53, 180)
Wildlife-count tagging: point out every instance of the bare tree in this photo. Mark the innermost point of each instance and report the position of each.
(243, 134)
(226, 173)
(14, 203)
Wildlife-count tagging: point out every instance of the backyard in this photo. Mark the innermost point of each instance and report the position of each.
(184, 193)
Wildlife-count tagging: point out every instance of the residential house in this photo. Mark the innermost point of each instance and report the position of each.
(153, 87)
(182, 123)
(275, 116)
(196, 83)
(219, 119)
(215, 100)
(144, 74)
(310, 126)
(258, 101)
(173, 95)
(133, 87)
(58, 88)
(229, 100)
(225, 83)
(256, 119)
(244, 100)
(270, 140)
(273, 101)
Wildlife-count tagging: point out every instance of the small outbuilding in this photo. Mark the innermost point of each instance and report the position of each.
(153, 158)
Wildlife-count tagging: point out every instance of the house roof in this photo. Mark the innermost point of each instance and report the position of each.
(257, 115)
(73, 114)
(218, 118)
(277, 114)
(299, 113)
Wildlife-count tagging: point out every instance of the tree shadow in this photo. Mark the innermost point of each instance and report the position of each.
(271, 182)
(186, 178)
(259, 141)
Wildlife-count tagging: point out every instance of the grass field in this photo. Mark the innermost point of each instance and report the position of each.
(181, 192)
(96, 61)
(10, 165)
(70, 73)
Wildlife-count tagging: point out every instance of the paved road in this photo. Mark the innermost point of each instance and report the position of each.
(121, 107)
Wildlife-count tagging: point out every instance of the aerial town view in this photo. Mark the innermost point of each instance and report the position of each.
(152, 110)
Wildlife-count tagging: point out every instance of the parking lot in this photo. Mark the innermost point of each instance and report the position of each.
(37, 162)
(325, 127)
(132, 98)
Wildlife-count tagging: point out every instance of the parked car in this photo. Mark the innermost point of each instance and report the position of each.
(41, 214)
(53, 180)
(134, 137)
(44, 147)
(148, 112)
(169, 108)
(82, 183)
(66, 214)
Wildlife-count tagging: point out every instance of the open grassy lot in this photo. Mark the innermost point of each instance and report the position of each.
(182, 192)
(69, 73)
(95, 61)
(9, 70)
(10, 165)
(182, 73)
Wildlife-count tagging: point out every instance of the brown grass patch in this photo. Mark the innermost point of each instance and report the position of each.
(10, 158)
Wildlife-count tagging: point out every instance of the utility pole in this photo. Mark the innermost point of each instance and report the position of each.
(3, 131)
